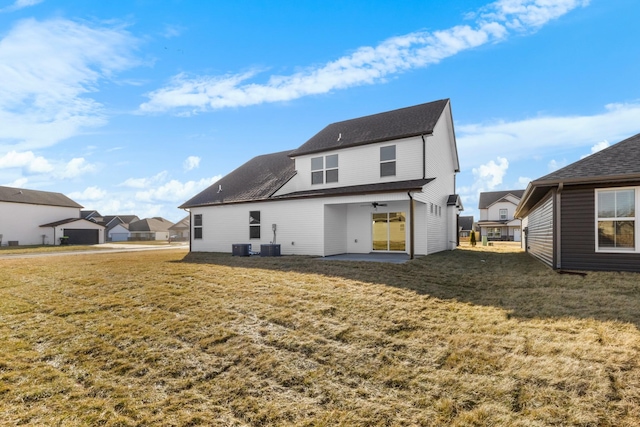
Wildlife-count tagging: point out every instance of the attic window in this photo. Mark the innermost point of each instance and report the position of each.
(388, 161)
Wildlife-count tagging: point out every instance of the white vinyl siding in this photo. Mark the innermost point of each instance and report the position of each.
(21, 222)
(540, 231)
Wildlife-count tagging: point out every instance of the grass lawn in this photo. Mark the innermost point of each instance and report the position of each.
(477, 336)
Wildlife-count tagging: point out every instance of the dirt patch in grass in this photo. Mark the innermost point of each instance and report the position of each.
(484, 336)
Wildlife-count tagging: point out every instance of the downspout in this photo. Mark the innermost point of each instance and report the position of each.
(424, 158)
(556, 232)
(411, 227)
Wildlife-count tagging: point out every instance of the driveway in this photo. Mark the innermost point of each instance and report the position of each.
(105, 248)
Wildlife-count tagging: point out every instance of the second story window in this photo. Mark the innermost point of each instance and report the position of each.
(503, 214)
(388, 161)
(324, 169)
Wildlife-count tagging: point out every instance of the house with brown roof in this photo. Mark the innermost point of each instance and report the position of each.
(379, 183)
(497, 221)
(155, 228)
(33, 217)
(585, 216)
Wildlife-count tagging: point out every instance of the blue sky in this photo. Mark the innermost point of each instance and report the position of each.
(134, 107)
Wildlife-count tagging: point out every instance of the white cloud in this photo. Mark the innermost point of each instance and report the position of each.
(554, 165)
(490, 175)
(145, 182)
(90, 193)
(20, 4)
(526, 139)
(47, 68)
(367, 65)
(523, 181)
(175, 191)
(76, 167)
(27, 160)
(597, 147)
(191, 162)
(18, 183)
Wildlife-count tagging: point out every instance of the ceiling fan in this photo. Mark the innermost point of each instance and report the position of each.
(375, 204)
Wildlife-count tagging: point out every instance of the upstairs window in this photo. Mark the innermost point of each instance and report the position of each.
(388, 161)
(616, 219)
(503, 214)
(197, 226)
(254, 224)
(317, 170)
(324, 169)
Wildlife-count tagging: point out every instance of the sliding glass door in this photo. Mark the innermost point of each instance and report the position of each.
(389, 231)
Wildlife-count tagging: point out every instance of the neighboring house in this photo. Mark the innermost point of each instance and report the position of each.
(150, 229)
(92, 215)
(180, 230)
(31, 217)
(586, 216)
(497, 221)
(380, 183)
(112, 221)
(119, 233)
(465, 225)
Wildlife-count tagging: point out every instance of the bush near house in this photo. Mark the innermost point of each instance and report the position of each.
(470, 337)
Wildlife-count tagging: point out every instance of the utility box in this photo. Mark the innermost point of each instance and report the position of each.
(270, 250)
(241, 249)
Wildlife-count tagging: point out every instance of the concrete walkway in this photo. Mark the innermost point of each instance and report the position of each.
(105, 248)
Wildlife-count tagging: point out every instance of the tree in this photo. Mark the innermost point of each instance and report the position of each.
(472, 238)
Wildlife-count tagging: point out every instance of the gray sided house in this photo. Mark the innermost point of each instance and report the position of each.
(379, 183)
(586, 216)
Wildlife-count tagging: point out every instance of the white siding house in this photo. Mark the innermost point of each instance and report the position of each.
(380, 183)
(31, 217)
(497, 215)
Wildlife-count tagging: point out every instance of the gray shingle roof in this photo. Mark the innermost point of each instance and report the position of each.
(385, 187)
(67, 221)
(402, 123)
(257, 179)
(619, 159)
(150, 224)
(465, 222)
(490, 197)
(35, 197)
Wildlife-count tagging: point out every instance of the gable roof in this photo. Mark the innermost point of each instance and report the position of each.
(488, 198)
(150, 224)
(402, 123)
(465, 222)
(67, 221)
(36, 197)
(183, 224)
(257, 179)
(617, 163)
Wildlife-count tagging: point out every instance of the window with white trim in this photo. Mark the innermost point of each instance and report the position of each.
(197, 226)
(494, 232)
(616, 219)
(321, 174)
(254, 224)
(388, 161)
(503, 214)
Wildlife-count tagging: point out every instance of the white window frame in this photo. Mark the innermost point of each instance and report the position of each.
(197, 224)
(387, 160)
(506, 214)
(635, 219)
(323, 169)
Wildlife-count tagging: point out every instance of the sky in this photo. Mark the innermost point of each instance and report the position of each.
(134, 107)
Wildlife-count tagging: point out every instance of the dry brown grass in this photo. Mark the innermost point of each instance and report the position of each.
(483, 336)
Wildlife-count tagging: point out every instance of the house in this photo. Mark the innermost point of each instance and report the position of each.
(465, 225)
(155, 228)
(497, 221)
(180, 230)
(585, 216)
(379, 183)
(117, 227)
(32, 217)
